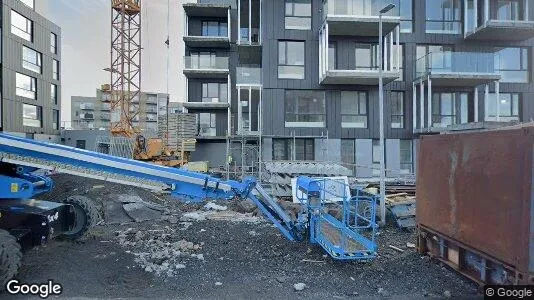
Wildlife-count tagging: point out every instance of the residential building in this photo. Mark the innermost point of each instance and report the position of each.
(31, 77)
(95, 112)
(299, 78)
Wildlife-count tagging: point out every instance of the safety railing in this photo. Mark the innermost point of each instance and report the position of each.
(359, 7)
(455, 62)
(202, 63)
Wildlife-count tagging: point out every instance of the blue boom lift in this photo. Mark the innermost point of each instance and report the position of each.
(26, 222)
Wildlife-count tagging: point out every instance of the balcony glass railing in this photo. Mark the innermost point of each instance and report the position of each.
(359, 7)
(455, 62)
(202, 63)
(248, 75)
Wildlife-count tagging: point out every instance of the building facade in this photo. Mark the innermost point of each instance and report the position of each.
(300, 77)
(31, 79)
(95, 112)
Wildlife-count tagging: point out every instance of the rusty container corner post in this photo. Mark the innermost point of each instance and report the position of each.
(475, 203)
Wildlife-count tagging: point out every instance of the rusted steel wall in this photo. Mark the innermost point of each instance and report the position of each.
(476, 188)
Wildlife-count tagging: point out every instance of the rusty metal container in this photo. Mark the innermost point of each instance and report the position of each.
(475, 203)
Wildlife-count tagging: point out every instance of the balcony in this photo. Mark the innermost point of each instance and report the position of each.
(207, 34)
(248, 76)
(87, 116)
(499, 21)
(359, 17)
(87, 106)
(457, 69)
(206, 105)
(206, 67)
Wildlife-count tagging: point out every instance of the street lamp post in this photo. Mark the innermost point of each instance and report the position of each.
(381, 113)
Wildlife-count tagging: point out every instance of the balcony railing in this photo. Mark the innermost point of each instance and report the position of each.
(455, 63)
(249, 75)
(362, 8)
(206, 63)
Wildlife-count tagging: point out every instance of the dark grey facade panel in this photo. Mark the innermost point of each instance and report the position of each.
(12, 63)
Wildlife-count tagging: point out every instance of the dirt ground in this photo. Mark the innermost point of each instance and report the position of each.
(231, 258)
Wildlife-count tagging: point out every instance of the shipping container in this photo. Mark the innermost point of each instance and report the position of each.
(475, 203)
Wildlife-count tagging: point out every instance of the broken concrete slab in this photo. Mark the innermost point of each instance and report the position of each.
(136, 199)
(139, 212)
(114, 213)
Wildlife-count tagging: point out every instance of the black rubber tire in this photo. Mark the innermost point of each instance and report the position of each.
(10, 258)
(86, 216)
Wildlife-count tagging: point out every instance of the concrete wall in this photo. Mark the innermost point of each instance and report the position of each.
(212, 151)
(70, 137)
(11, 108)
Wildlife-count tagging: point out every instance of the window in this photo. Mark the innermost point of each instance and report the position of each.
(29, 3)
(348, 153)
(449, 109)
(53, 43)
(215, 92)
(304, 109)
(53, 93)
(512, 64)
(406, 14)
(21, 26)
(298, 14)
(293, 149)
(332, 56)
(376, 157)
(31, 115)
(290, 60)
(55, 119)
(80, 144)
(406, 157)
(206, 124)
(504, 110)
(366, 56)
(214, 28)
(396, 49)
(26, 86)
(397, 109)
(443, 16)
(55, 69)
(510, 10)
(353, 109)
(31, 59)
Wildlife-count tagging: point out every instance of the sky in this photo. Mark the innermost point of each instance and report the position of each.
(86, 45)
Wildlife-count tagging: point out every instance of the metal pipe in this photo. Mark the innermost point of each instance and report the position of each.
(381, 113)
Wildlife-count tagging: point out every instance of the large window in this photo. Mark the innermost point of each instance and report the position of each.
(397, 109)
(53, 93)
(510, 10)
(55, 119)
(348, 153)
(304, 109)
(55, 69)
(512, 64)
(298, 14)
(366, 56)
(406, 156)
(53, 43)
(214, 28)
(443, 16)
(505, 109)
(449, 109)
(32, 115)
(290, 60)
(293, 149)
(31, 60)
(215, 92)
(406, 14)
(26, 86)
(353, 109)
(21, 26)
(206, 124)
(376, 157)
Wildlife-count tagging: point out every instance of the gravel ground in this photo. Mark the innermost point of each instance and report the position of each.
(224, 259)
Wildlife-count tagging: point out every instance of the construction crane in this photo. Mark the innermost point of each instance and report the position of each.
(25, 222)
(125, 88)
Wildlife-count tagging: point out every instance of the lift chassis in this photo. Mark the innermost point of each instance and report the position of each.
(26, 222)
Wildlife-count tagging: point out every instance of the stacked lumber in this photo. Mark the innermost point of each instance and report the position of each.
(180, 133)
(402, 206)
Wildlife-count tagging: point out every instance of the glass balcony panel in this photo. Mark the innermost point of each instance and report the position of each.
(249, 75)
(203, 62)
(455, 62)
(360, 7)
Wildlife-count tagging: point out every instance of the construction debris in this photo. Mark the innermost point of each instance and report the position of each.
(396, 248)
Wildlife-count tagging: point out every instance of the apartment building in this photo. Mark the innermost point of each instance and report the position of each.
(95, 112)
(300, 77)
(31, 79)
